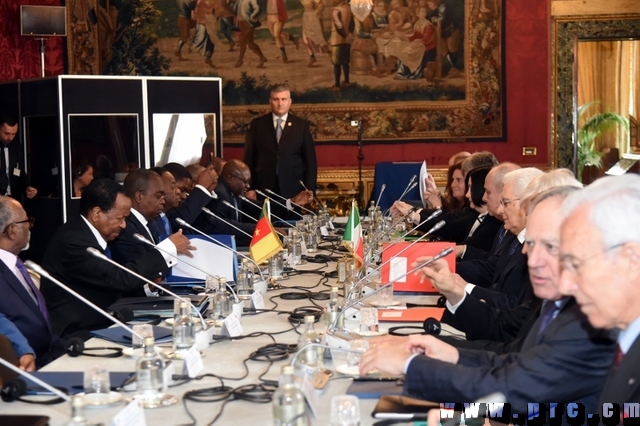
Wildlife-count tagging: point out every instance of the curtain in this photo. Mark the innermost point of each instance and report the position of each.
(608, 73)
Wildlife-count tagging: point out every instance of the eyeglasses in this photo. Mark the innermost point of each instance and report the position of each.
(30, 220)
(244, 182)
(572, 264)
(505, 201)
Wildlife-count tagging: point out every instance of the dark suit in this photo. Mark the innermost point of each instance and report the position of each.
(463, 217)
(126, 248)
(484, 235)
(19, 307)
(67, 259)
(280, 166)
(475, 253)
(190, 209)
(623, 383)
(503, 280)
(211, 225)
(492, 329)
(18, 184)
(567, 362)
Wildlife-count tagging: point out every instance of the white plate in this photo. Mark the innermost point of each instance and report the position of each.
(96, 400)
(370, 333)
(377, 304)
(137, 352)
(348, 370)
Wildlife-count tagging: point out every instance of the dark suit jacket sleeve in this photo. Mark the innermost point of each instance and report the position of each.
(481, 321)
(569, 364)
(190, 209)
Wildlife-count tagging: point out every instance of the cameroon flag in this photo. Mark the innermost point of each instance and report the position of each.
(265, 242)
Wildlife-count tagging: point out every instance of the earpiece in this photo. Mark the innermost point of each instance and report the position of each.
(13, 389)
(75, 348)
(432, 326)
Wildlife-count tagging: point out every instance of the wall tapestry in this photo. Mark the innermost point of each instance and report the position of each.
(412, 70)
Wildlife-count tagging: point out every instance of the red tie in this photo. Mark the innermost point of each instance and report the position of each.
(618, 358)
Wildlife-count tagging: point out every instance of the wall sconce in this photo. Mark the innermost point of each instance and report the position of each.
(361, 8)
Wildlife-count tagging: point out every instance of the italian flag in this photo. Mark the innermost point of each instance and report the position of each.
(265, 242)
(352, 238)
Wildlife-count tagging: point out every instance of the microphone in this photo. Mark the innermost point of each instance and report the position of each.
(210, 213)
(100, 255)
(349, 335)
(181, 222)
(245, 199)
(433, 229)
(384, 186)
(40, 270)
(422, 237)
(228, 204)
(277, 202)
(142, 239)
(285, 199)
(34, 379)
(314, 197)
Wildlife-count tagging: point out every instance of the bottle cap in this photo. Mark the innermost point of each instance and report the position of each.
(309, 319)
(287, 370)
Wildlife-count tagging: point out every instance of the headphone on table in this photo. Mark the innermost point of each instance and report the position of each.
(430, 326)
(14, 389)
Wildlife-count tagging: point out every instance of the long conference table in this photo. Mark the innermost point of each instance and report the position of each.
(225, 358)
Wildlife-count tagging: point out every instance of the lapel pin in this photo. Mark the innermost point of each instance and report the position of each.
(289, 124)
(632, 381)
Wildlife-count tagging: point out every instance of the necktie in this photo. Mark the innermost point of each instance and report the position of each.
(235, 204)
(514, 246)
(107, 251)
(501, 234)
(42, 305)
(549, 311)
(617, 360)
(278, 128)
(165, 222)
(155, 236)
(4, 178)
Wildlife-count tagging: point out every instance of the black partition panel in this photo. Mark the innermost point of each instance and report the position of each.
(69, 122)
(189, 99)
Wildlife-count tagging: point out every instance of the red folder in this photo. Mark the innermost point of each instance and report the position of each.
(402, 263)
(409, 315)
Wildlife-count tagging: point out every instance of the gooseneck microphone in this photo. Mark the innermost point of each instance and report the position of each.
(422, 237)
(314, 197)
(278, 202)
(40, 270)
(144, 240)
(102, 256)
(287, 199)
(382, 188)
(344, 334)
(210, 213)
(245, 199)
(228, 204)
(213, 240)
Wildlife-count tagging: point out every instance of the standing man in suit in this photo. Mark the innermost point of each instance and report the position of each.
(600, 257)
(145, 189)
(104, 208)
(21, 301)
(13, 179)
(280, 152)
(562, 358)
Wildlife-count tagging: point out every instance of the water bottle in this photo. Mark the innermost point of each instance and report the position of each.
(289, 407)
(184, 332)
(149, 369)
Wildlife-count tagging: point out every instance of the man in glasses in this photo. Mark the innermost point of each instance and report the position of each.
(600, 258)
(561, 359)
(235, 180)
(21, 301)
